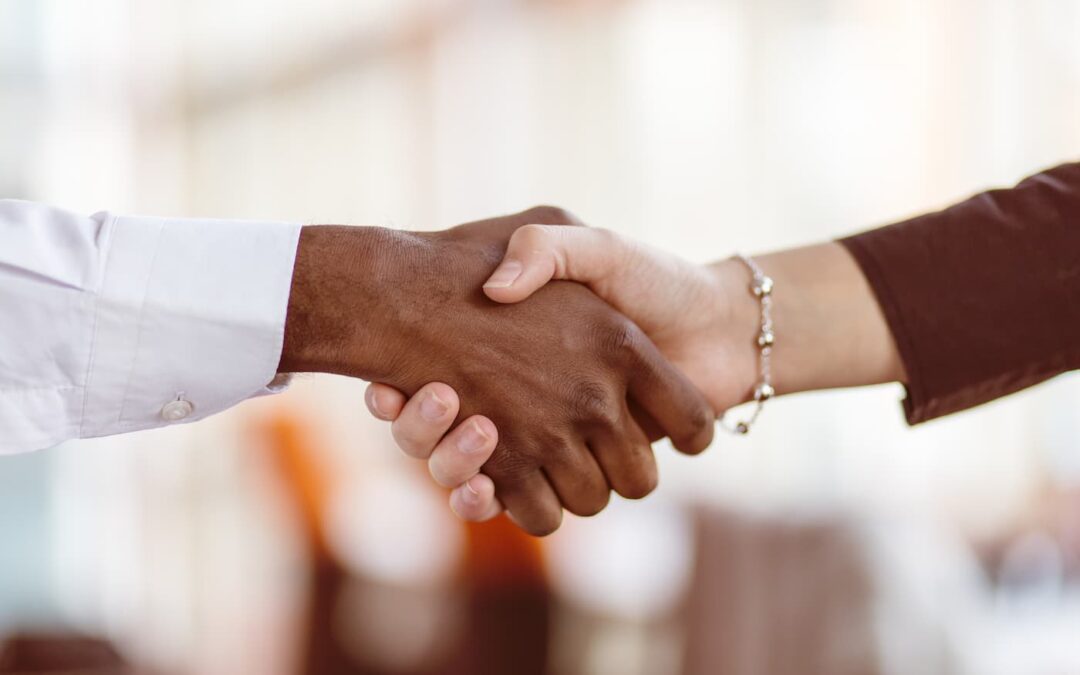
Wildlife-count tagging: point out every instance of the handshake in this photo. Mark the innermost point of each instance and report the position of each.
(556, 398)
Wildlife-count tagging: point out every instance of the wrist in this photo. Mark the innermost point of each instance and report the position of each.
(736, 329)
(829, 328)
(335, 282)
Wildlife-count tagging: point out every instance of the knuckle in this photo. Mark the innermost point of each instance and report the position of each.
(551, 215)
(509, 469)
(592, 402)
(608, 239)
(622, 341)
(533, 236)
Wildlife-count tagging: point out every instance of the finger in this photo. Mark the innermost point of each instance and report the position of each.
(644, 420)
(627, 458)
(671, 400)
(531, 501)
(537, 254)
(475, 500)
(425, 419)
(460, 454)
(384, 401)
(579, 482)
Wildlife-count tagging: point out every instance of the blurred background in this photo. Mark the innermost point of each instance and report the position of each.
(289, 536)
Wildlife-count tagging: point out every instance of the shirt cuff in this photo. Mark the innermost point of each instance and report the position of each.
(189, 321)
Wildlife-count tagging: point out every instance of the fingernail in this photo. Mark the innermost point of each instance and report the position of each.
(471, 494)
(432, 407)
(473, 438)
(505, 275)
(373, 402)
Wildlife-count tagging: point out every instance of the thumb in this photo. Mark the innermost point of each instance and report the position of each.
(538, 254)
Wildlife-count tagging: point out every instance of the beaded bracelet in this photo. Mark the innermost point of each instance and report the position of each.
(762, 288)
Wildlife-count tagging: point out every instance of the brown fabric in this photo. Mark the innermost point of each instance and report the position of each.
(29, 653)
(983, 298)
(776, 597)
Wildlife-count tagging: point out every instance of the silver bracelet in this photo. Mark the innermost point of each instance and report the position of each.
(762, 288)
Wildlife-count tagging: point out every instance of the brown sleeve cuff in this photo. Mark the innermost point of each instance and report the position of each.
(983, 298)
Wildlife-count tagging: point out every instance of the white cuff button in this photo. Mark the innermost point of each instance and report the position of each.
(174, 411)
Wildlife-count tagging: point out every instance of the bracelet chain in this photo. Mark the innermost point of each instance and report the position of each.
(762, 287)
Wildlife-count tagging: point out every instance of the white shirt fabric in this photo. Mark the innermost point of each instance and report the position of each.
(110, 324)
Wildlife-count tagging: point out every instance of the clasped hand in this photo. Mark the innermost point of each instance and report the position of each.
(686, 310)
(558, 398)
(687, 326)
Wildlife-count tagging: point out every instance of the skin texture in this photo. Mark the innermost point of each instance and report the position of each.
(557, 377)
(831, 332)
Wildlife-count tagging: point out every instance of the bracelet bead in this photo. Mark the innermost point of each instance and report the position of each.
(761, 286)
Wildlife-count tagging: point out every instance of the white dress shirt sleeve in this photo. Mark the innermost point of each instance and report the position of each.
(110, 324)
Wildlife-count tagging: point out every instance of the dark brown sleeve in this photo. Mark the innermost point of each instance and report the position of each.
(982, 298)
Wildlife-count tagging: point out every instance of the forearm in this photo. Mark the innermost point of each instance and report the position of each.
(963, 306)
(981, 297)
(830, 330)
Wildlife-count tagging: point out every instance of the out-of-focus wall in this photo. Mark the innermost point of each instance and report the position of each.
(701, 127)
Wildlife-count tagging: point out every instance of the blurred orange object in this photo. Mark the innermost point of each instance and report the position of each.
(509, 602)
(307, 483)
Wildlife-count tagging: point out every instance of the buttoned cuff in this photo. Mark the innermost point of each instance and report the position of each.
(189, 320)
